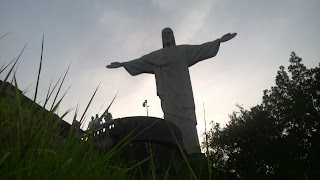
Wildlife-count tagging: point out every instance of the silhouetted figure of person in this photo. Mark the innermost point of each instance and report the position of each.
(97, 121)
(91, 122)
(108, 117)
(171, 68)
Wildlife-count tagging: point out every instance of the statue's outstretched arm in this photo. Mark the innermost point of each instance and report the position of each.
(227, 37)
(134, 67)
(115, 65)
(197, 53)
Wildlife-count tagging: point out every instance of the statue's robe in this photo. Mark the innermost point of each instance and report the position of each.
(171, 68)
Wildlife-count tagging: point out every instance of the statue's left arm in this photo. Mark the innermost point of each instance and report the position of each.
(196, 53)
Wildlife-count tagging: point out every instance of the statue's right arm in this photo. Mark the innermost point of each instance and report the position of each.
(134, 67)
(115, 65)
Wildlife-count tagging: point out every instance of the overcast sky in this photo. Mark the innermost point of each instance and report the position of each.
(92, 34)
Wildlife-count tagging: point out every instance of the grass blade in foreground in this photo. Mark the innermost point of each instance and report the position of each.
(3, 68)
(6, 78)
(207, 146)
(81, 119)
(55, 98)
(49, 95)
(4, 36)
(35, 94)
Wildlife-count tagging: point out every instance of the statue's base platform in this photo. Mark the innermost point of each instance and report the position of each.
(155, 140)
(150, 129)
(145, 137)
(139, 129)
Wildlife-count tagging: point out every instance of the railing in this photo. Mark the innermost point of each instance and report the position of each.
(102, 130)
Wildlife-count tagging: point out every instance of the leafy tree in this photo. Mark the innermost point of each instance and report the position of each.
(277, 139)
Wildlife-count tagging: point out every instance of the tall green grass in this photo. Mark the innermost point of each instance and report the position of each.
(32, 146)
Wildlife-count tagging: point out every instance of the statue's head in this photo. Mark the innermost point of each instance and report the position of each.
(168, 38)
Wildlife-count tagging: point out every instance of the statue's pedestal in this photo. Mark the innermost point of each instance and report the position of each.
(150, 129)
(146, 137)
(154, 139)
(140, 129)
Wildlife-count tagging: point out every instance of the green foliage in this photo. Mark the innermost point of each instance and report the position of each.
(278, 138)
(30, 148)
(34, 146)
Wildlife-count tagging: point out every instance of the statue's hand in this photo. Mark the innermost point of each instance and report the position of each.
(115, 65)
(227, 37)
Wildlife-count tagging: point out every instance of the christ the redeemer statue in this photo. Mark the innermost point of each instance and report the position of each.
(171, 68)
